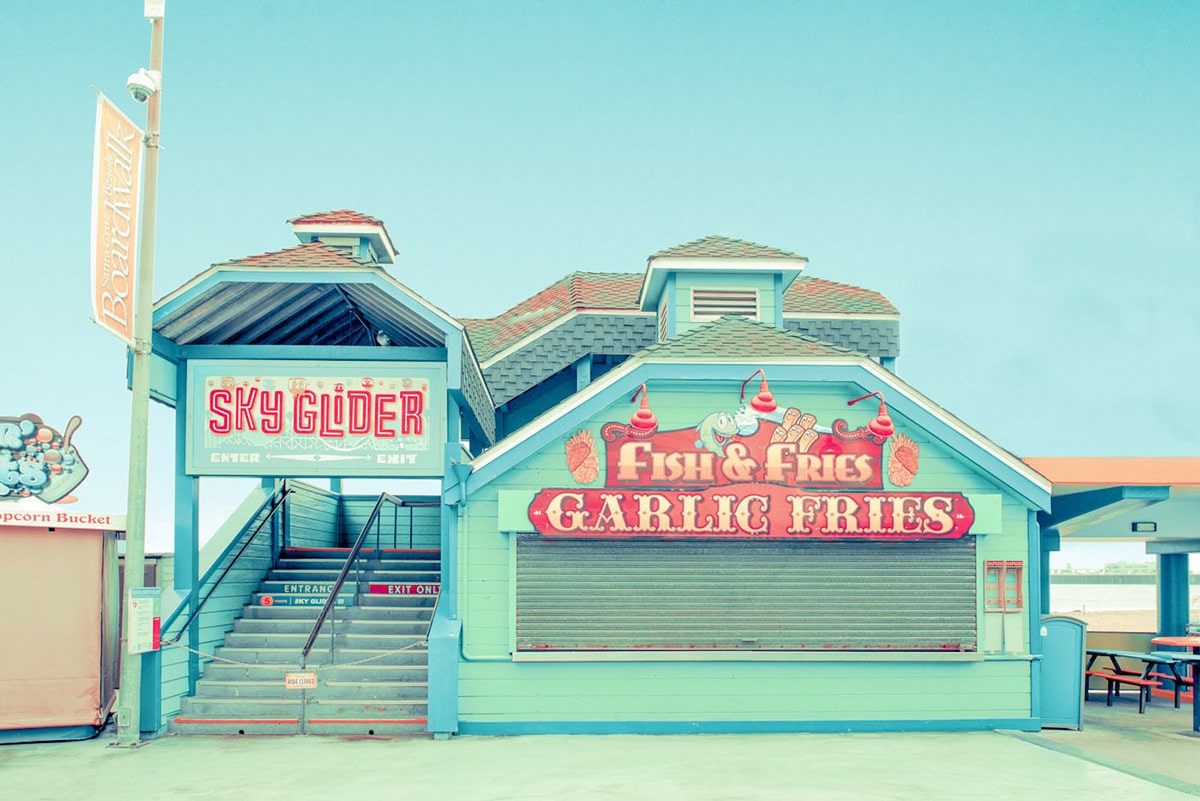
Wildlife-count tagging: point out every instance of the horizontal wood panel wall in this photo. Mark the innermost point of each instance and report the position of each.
(398, 525)
(680, 595)
(497, 690)
(224, 605)
(312, 517)
(766, 691)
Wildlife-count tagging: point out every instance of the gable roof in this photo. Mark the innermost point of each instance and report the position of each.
(859, 373)
(738, 337)
(578, 291)
(817, 295)
(340, 216)
(312, 255)
(585, 291)
(724, 247)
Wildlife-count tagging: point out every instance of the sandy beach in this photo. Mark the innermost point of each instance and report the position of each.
(1132, 620)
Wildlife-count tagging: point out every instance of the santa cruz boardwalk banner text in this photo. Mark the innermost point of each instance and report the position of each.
(287, 419)
(760, 472)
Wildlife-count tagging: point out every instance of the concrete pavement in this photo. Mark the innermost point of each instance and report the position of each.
(974, 765)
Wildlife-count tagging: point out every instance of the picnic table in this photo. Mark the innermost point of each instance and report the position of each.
(1144, 680)
(1191, 641)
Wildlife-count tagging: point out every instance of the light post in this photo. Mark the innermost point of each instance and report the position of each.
(146, 87)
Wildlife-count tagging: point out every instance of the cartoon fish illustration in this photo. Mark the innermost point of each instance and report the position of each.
(714, 431)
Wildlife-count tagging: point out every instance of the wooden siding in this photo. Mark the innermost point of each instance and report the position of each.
(766, 691)
(313, 519)
(225, 602)
(493, 688)
(424, 523)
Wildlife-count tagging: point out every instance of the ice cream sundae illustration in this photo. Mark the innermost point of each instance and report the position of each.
(37, 460)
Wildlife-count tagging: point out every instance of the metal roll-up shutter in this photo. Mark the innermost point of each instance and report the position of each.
(690, 595)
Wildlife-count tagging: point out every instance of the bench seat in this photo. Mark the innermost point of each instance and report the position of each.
(1115, 680)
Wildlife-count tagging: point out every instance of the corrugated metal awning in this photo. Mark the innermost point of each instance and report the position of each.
(275, 313)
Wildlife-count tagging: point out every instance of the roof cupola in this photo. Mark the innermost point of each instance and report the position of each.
(360, 235)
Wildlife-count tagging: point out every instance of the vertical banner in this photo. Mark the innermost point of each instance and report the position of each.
(116, 183)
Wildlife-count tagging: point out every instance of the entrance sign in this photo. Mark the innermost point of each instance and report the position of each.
(762, 472)
(116, 182)
(275, 418)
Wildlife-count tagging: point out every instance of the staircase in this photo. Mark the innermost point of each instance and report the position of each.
(375, 680)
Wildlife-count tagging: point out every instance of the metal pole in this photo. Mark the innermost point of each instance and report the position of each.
(130, 707)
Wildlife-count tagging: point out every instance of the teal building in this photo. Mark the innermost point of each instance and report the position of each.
(693, 498)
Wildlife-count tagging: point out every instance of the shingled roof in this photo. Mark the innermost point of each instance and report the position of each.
(809, 295)
(578, 291)
(582, 291)
(338, 217)
(724, 247)
(734, 337)
(315, 255)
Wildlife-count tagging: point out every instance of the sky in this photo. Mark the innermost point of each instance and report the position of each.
(1021, 179)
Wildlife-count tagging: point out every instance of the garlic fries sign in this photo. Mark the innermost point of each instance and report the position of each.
(759, 472)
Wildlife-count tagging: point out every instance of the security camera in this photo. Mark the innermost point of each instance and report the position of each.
(142, 85)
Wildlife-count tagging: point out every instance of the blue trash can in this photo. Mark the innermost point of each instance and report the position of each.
(1062, 664)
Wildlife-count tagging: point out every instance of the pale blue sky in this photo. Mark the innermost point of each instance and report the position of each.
(1021, 179)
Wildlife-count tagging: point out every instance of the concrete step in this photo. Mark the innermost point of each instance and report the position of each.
(337, 727)
(337, 556)
(313, 573)
(187, 725)
(305, 600)
(246, 709)
(300, 587)
(401, 607)
(394, 625)
(379, 657)
(274, 709)
(349, 727)
(414, 573)
(371, 671)
(380, 600)
(388, 691)
(295, 641)
(363, 710)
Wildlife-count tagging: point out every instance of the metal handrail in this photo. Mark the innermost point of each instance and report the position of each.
(271, 505)
(351, 558)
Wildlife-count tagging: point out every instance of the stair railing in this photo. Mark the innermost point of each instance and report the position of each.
(350, 564)
(270, 506)
(410, 504)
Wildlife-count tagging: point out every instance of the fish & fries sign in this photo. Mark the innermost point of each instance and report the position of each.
(760, 473)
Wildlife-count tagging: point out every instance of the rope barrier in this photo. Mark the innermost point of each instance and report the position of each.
(331, 666)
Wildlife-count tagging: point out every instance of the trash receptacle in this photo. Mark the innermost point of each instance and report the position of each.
(1062, 671)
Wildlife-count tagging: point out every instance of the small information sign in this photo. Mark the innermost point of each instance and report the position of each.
(405, 589)
(144, 619)
(300, 681)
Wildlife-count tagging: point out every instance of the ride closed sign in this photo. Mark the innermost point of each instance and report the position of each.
(300, 681)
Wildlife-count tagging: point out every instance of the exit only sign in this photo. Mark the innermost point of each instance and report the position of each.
(405, 589)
